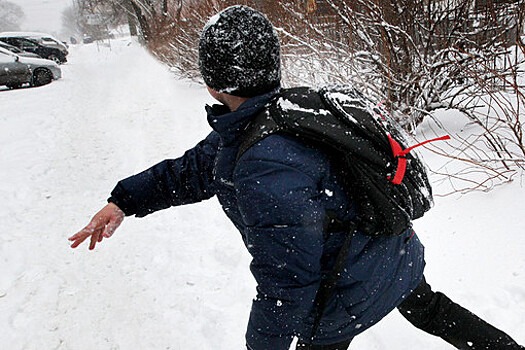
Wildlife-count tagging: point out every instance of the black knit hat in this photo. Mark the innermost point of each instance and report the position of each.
(239, 53)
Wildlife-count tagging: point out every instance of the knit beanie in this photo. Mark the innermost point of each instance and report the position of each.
(239, 53)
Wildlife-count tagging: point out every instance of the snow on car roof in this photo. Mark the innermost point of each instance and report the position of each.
(35, 34)
(30, 35)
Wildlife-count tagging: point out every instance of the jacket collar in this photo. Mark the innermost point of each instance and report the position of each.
(230, 125)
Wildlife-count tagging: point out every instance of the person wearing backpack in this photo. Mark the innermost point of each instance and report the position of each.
(291, 203)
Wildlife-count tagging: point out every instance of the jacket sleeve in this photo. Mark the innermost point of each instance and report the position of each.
(281, 206)
(172, 182)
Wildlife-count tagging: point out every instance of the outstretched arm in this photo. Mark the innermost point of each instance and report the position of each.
(102, 225)
(173, 182)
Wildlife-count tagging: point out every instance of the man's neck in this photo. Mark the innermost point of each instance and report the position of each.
(233, 102)
(230, 101)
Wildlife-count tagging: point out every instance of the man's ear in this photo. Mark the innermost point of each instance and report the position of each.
(215, 94)
(231, 101)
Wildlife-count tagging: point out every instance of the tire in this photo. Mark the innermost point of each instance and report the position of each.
(41, 77)
(13, 86)
(55, 58)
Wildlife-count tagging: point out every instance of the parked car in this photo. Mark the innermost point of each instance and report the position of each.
(13, 73)
(16, 70)
(29, 45)
(41, 38)
(87, 39)
(17, 51)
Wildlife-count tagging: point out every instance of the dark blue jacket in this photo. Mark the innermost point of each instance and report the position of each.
(278, 195)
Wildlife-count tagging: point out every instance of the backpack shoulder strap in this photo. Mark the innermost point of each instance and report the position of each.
(286, 113)
(261, 126)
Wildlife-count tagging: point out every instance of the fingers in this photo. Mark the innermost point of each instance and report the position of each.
(112, 226)
(103, 225)
(92, 230)
(95, 237)
(109, 230)
(81, 236)
(95, 234)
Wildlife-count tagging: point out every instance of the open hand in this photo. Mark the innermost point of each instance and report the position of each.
(102, 225)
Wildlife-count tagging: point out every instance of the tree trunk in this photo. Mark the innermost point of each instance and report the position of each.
(132, 20)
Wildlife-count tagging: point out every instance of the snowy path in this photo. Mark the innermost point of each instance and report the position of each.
(179, 278)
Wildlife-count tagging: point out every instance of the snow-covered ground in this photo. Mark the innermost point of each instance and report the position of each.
(179, 279)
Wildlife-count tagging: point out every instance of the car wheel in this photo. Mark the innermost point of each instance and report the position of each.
(14, 85)
(41, 77)
(55, 58)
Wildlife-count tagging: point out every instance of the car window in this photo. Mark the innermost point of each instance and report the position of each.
(28, 44)
(14, 41)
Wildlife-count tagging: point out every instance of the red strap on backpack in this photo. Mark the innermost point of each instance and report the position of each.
(400, 154)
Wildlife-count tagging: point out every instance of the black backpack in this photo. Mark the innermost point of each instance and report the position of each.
(389, 184)
(387, 181)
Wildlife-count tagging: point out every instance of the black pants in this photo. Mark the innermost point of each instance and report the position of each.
(436, 314)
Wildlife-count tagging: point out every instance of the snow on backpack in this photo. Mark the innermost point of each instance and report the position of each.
(388, 182)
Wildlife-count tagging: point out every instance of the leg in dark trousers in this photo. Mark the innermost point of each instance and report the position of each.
(339, 346)
(436, 314)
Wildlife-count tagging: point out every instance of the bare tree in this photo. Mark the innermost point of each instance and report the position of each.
(421, 56)
(97, 17)
(11, 15)
(71, 21)
(415, 56)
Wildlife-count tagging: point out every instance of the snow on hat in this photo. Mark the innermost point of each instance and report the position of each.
(239, 53)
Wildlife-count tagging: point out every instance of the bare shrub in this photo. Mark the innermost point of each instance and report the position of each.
(11, 15)
(415, 56)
